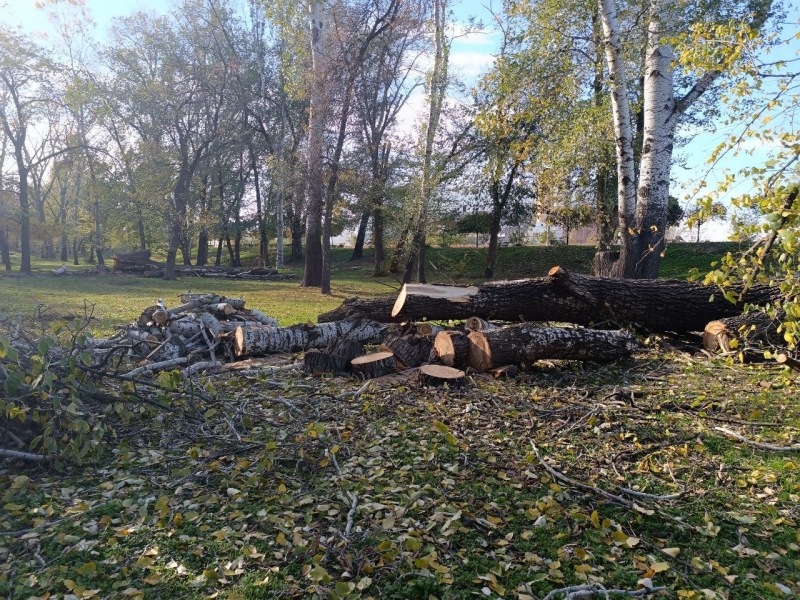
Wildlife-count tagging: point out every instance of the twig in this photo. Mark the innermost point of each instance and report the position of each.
(588, 590)
(355, 394)
(351, 515)
(24, 455)
(760, 445)
(353, 497)
(156, 367)
(650, 496)
(201, 366)
(582, 486)
(11, 578)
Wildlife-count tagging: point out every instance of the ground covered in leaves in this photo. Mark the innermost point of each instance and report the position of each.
(285, 486)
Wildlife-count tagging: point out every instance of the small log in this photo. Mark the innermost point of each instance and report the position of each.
(317, 362)
(160, 316)
(373, 365)
(450, 348)
(171, 349)
(410, 351)
(152, 367)
(478, 324)
(146, 316)
(343, 350)
(237, 303)
(437, 375)
(221, 310)
(201, 366)
(211, 323)
(249, 341)
(186, 327)
(753, 328)
(429, 330)
(262, 318)
(527, 343)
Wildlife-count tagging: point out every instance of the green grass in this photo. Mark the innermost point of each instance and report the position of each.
(117, 299)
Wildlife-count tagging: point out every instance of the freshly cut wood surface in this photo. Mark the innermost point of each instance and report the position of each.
(450, 348)
(450, 293)
(373, 365)
(440, 375)
(478, 324)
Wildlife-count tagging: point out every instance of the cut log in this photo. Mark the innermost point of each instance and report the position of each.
(527, 343)
(657, 305)
(211, 323)
(262, 318)
(410, 351)
(450, 348)
(187, 326)
(437, 375)
(343, 350)
(171, 349)
(429, 330)
(221, 310)
(317, 362)
(478, 324)
(249, 341)
(160, 316)
(753, 329)
(373, 365)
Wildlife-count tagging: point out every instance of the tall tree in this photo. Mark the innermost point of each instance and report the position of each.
(643, 199)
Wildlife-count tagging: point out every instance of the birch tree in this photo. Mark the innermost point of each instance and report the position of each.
(643, 200)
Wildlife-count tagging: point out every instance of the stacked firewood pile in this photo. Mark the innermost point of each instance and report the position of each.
(207, 330)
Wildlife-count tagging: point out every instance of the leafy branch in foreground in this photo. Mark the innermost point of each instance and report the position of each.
(763, 105)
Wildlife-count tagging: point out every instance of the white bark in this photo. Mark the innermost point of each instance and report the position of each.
(273, 340)
(623, 123)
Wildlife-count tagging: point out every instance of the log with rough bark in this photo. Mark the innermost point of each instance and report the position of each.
(373, 365)
(657, 305)
(335, 359)
(478, 324)
(450, 348)
(410, 351)
(527, 343)
(437, 375)
(249, 341)
(429, 330)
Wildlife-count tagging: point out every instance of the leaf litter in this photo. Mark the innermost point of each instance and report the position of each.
(569, 481)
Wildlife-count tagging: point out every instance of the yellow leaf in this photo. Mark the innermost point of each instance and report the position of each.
(659, 567)
(673, 552)
(281, 539)
(441, 427)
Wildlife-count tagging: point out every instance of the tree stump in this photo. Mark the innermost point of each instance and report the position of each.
(437, 375)
(373, 365)
(754, 328)
(450, 348)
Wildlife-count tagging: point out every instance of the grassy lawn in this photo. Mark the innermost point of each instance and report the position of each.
(268, 484)
(117, 299)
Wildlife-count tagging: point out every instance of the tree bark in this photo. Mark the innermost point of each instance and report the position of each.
(528, 343)
(361, 236)
(5, 254)
(249, 341)
(312, 276)
(656, 305)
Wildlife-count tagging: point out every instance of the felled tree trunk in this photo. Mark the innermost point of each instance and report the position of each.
(249, 341)
(657, 305)
(436, 375)
(528, 343)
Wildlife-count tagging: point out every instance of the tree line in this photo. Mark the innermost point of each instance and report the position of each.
(229, 119)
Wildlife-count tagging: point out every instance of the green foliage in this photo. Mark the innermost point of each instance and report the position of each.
(479, 222)
(46, 390)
